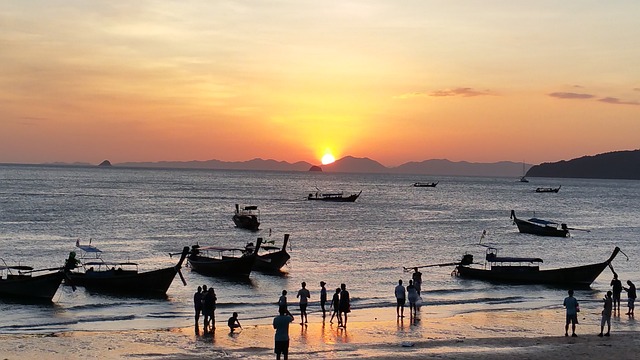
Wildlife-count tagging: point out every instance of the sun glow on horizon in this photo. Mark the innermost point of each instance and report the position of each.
(328, 159)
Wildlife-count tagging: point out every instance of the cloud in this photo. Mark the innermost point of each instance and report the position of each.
(461, 91)
(616, 101)
(570, 95)
(464, 92)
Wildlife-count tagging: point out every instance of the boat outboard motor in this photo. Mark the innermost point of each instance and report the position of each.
(467, 259)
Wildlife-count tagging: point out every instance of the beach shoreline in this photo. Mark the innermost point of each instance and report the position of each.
(373, 334)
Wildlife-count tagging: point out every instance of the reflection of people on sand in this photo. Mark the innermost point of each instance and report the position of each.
(281, 324)
(606, 314)
(572, 313)
(345, 305)
(335, 304)
(233, 322)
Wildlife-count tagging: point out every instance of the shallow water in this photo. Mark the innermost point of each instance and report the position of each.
(144, 214)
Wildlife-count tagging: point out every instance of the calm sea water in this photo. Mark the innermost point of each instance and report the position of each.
(144, 214)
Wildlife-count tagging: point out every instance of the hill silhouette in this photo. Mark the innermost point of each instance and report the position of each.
(612, 165)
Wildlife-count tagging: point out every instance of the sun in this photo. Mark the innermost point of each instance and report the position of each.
(328, 159)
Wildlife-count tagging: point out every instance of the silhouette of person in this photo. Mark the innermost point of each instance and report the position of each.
(335, 304)
(412, 295)
(631, 294)
(323, 298)
(208, 309)
(401, 299)
(572, 314)
(345, 305)
(606, 314)
(233, 322)
(281, 324)
(304, 296)
(417, 279)
(617, 291)
(197, 303)
(282, 302)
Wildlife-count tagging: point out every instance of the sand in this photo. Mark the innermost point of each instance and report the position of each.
(370, 334)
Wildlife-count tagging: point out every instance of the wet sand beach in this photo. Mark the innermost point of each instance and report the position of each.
(371, 334)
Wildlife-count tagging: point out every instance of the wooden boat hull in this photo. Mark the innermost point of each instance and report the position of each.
(249, 222)
(529, 228)
(239, 267)
(154, 282)
(350, 198)
(31, 288)
(574, 277)
(272, 262)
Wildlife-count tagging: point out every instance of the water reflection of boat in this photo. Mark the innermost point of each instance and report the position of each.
(247, 217)
(335, 197)
(520, 270)
(273, 258)
(122, 277)
(223, 261)
(540, 227)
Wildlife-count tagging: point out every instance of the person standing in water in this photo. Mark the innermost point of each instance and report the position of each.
(617, 291)
(631, 294)
(323, 298)
(304, 296)
(401, 299)
(335, 304)
(345, 304)
(197, 304)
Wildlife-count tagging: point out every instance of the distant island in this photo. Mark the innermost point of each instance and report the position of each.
(612, 165)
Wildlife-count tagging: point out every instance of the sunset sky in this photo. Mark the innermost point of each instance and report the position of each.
(395, 81)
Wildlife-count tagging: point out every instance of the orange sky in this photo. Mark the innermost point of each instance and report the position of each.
(289, 80)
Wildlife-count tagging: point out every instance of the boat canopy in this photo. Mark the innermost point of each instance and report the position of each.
(107, 263)
(491, 257)
(542, 222)
(251, 207)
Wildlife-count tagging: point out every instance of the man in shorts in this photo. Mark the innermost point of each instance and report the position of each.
(606, 314)
(401, 299)
(572, 314)
(281, 324)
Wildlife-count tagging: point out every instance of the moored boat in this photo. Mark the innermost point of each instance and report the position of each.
(122, 277)
(334, 197)
(425, 184)
(19, 283)
(223, 261)
(247, 217)
(519, 270)
(540, 227)
(273, 258)
(548, 189)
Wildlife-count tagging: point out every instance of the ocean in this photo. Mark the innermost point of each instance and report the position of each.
(142, 215)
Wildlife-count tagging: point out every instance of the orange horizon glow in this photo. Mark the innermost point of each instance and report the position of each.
(148, 82)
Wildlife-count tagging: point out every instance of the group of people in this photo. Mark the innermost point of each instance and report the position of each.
(204, 301)
(611, 304)
(340, 303)
(411, 293)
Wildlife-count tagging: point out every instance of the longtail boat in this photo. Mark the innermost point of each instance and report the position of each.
(247, 217)
(540, 227)
(273, 257)
(19, 283)
(122, 277)
(223, 261)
